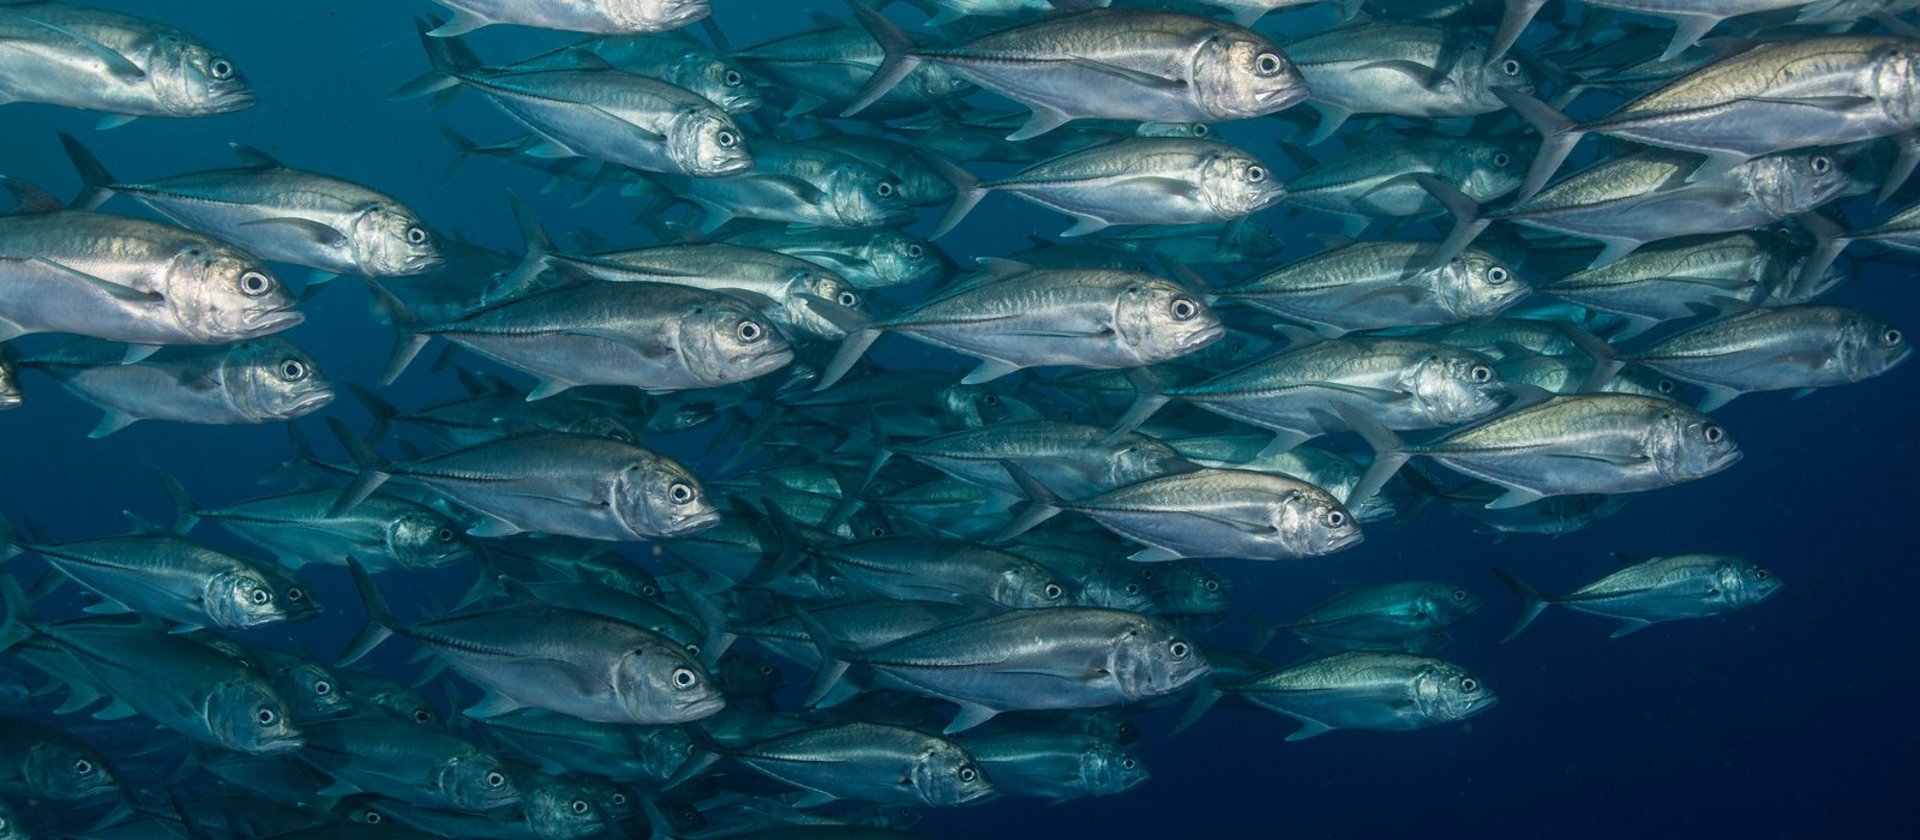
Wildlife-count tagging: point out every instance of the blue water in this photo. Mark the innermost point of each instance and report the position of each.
(1789, 720)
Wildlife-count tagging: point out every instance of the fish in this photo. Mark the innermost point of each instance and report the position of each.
(129, 280)
(1691, 18)
(1373, 181)
(1401, 69)
(125, 66)
(913, 569)
(828, 67)
(1072, 460)
(673, 58)
(593, 16)
(868, 258)
(1361, 617)
(1055, 765)
(260, 380)
(1782, 348)
(1655, 589)
(1369, 690)
(1109, 64)
(1381, 284)
(798, 185)
(869, 762)
(46, 763)
(383, 532)
(408, 762)
(648, 755)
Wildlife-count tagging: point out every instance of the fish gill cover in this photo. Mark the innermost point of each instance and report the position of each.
(953, 418)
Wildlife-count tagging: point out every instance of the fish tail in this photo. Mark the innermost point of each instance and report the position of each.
(1828, 241)
(1203, 699)
(832, 664)
(899, 62)
(1532, 603)
(538, 244)
(1467, 223)
(1148, 398)
(450, 58)
(408, 340)
(379, 617)
(1044, 505)
(370, 477)
(1514, 21)
(96, 182)
(851, 349)
(185, 515)
(1558, 134)
(967, 190)
(18, 626)
(1389, 454)
(383, 412)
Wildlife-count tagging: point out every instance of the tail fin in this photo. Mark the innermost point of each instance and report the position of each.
(379, 617)
(1557, 138)
(1389, 454)
(851, 349)
(1203, 699)
(96, 181)
(967, 191)
(1518, 14)
(383, 412)
(450, 58)
(1467, 223)
(1148, 399)
(539, 249)
(1828, 241)
(370, 477)
(899, 62)
(185, 512)
(18, 626)
(1045, 504)
(1533, 603)
(833, 665)
(408, 340)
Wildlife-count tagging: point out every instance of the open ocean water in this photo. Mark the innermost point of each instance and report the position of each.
(1786, 720)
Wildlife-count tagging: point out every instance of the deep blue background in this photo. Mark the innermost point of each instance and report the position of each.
(1792, 720)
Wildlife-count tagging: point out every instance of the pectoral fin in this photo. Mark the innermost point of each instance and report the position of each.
(307, 228)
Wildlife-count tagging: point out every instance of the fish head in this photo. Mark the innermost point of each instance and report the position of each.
(900, 259)
(190, 80)
(1249, 242)
(1107, 768)
(661, 682)
(423, 539)
(1445, 692)
(1740, 582)
(268, 379)
(657, 497)
(1477, 284)
(1159, 320)
(1456, 386)
(241, 598)
(865, 196)
(476, 782)
(1024, 586)
(1239, 73)
(1235, 184)
(662, 750)
(312, 691)
(1795, 182)
(1486, 171)
(64, 769)
(1868, 347)
(1894, 81)
(247, 716)
(1685, 444)
(706, 143)
(1443, 603)
(1478, 77)
(1153, 659)
(828, 287)
(389, 241)
(945, 776)
(1310, 522)
(722, 82)
(1644, 381)
(558, 808)
(730, 342)
(742, 673)
(653, 15)
(221, 295)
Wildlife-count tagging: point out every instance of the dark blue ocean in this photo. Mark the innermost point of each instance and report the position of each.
(1790, 720)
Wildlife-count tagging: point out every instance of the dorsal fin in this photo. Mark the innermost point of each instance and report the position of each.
(255, 158)
(33, 201)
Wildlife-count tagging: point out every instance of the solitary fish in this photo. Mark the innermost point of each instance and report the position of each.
(1655, 589)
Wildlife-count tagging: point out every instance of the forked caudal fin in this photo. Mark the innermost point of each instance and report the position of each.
(1532, 603)
(899, 61)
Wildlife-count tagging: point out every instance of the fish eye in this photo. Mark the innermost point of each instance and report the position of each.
(1666, 386)
(1497, 275)
(266, 716)
(1891, 336)
(915, 251)
(684, 678)
(496, 779)
(259, 596)
(1212, 586)
(422, 716)
(1469, 685)
(417, 235)
(221, 69)
(849, 300)
(1133, 589)
(255, 284)
(445, 535)
(749, 331)
(991, 399)
(1502, 159)
(293, 370)
(766, 670)
(1459, 594)
(876, 531)
(1510, 67)
(732, 78)
(295, 595)
(1053, 592)
(680, 494)
(1184, 309)
(580, 806)
(1179, 650)
(83, 767)
(727, 139)
(1256, 174)
(1481, 374)
(1128, 763)
(1268, 64)
(1336, 519)
(885, 189)
(618, 798)
(1759, 574)
(1713, 433)
(1820, 164)
(968, 774)
(323, 688)
(1201, 130)
(373, 818)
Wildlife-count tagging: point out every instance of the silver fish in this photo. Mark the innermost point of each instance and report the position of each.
(675, 59)
(870, 762)
(1400, 69)
(383, 532)
(261, 380)
(596, 16)
(1371, 181)
(914, 569)
(1363, 616)
(1374, 285)
(41, 762)
(869, 258)
(1691, 18)
(1656, 589)
(412, 763)
(1369, 690)
(1056, 765)
(1790, 347)
(1683, 278)
(1072, 460)
(99, 60)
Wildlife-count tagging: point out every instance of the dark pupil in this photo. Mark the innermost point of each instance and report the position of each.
(1501, 160)
(445, 534)
(915, 251)
(733, 77)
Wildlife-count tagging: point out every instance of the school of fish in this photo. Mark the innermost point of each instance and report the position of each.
(972, 573)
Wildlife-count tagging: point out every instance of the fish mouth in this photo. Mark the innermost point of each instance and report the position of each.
(227, 103)
(1345, 540)
(312, 401)
(727, 167)
(692, 523)
(280, 746)
(702, 708)
(275, 321)
(1202, 338)
(1278, 98)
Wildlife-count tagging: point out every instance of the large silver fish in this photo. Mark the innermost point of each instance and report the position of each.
(130, 280)
(383, 532)
(1400, 69)
(1376, 285)
(261, 380)
(1384, 617)
(675, 59)
(1691, 18)
(870, 258)
(612, 17)
(1786, 348)
(403, 760)
(1369, 690)
(870, 762)
(1057, 765)
(99, 60)
(1655, 589)
(1149, 66)
(279, 214)
(1371, 181)
(1683, 278)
